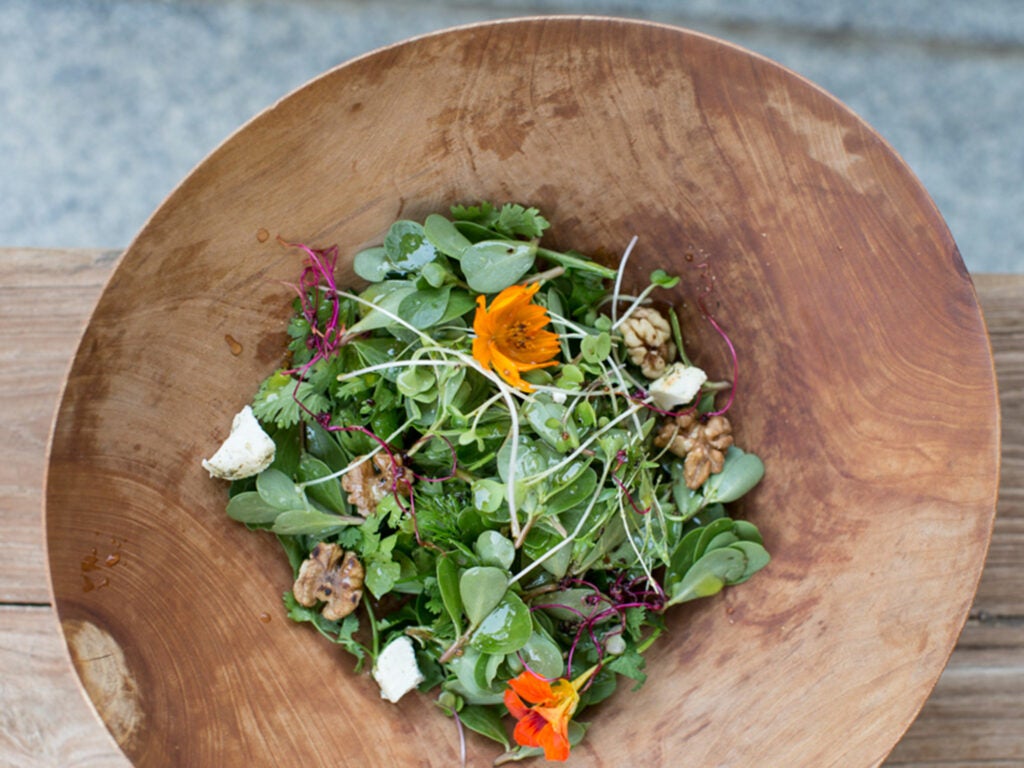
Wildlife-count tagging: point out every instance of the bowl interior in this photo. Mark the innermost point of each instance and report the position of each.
(865, 383)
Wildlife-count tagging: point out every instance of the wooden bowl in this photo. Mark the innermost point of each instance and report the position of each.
(866, 384)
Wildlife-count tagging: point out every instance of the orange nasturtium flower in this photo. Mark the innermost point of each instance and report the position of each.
(510, 335)
(546, 723)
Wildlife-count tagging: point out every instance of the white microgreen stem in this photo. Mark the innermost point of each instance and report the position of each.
(481, 409)
(637, 302)
(572, 536)
(506, 394)
(534, 479)
(356, 462)
(619, 274)
(625, 517)
(575, 262)
(388, 314)
(540, 277)
(625, 387)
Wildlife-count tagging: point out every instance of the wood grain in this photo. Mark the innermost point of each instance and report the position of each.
(973, 718)
(806, 220)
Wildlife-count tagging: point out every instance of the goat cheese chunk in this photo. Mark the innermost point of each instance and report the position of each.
(677, 386)
(396, 671)
(247, 451)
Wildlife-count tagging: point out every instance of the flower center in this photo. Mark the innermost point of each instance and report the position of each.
(518, 336)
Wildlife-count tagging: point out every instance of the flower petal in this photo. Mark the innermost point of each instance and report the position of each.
(482, 351)
(555, 741)
(515, 705)
(508, 370)
(533, 688)
(535, 730)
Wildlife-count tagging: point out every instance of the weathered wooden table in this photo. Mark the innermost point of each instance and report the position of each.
(975, 717)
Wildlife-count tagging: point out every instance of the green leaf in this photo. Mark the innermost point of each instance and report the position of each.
(326, 492)
(757, 558)
(595, 349)
(709, 532)
(512, 220)
(250, 508)
(381, 576)
(483, 212)
(517, 221)
(494, 549)
(386, 296)
(542, 655)
(309, 522)
(459, 303)
(747, 531)
(289, 448)
(481, 589)
(709, 575)
(448, 584)
(445, 236)
(435, 274)
(741, 472)
(278, 397)
(631, 664)
(416, 380)
(487, 494)
(424, 307)
(469, 668)
(486, 721)
(506, 629)
(577, 492)
(493, 265)
(663, 279)
(549, 421)
(278, 490)
(407, 247)
(372, 264)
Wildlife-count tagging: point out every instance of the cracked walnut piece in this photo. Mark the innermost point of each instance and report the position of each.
(648, 339)
(372, 480)
(703, 444)
(332, 575)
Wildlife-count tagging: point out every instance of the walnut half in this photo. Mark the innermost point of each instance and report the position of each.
(372, 480)
(703, 444)
(648, 340)
(333, 576)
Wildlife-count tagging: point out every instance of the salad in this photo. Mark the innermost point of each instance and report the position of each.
(492, 472)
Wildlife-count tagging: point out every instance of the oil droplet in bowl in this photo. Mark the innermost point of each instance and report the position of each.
(262, 235)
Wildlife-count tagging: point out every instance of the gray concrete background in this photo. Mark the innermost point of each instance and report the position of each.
(105, 105)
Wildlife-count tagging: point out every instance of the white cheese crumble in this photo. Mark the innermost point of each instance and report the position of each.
(396, 671)
(677, 386)
(247, 451)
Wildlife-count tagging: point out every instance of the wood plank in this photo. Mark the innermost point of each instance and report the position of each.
(975, 717)
(46, 298)
(1001, 592)
(45, 720)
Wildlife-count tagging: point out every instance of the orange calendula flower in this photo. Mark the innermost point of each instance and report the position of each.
(510, 335)
(545, 724)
